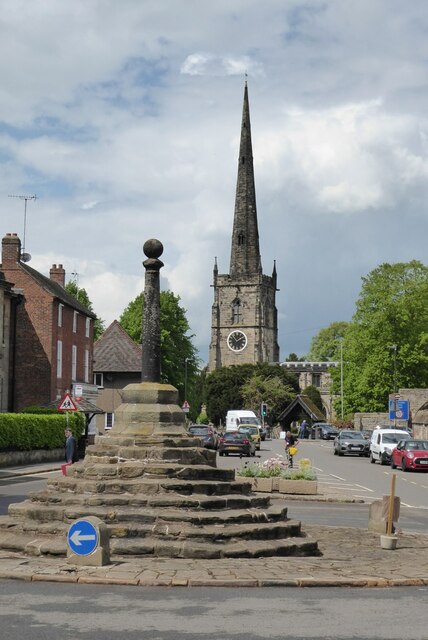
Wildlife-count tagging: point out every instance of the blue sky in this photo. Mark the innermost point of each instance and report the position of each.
(124, 118)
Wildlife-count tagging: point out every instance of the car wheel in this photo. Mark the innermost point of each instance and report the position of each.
(393, 466)
(372, 460)
(340, 453)
(404, 466)
(335, 452)
(254, 454)
(220, 453)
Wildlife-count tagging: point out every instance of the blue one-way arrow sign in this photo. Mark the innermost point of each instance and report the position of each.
(82, 537)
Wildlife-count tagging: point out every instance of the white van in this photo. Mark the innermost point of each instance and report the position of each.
(383, 441)
(238, 417)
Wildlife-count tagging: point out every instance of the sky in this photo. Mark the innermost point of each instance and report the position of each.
(124, 119)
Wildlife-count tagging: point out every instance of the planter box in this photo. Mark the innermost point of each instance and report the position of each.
(267, 485)
(303, 487)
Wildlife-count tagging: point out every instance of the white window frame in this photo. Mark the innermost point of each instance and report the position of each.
(75, 314)
(59, 358)
(74, 362)
(60, 314)
(99, 380)
(87, 327)
(86, 366)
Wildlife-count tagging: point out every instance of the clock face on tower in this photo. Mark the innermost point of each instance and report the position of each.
(237, 340)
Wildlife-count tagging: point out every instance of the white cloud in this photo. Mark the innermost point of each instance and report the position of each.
(124, 118)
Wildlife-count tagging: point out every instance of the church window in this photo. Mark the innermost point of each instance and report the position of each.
(236, 312)
(240, 239)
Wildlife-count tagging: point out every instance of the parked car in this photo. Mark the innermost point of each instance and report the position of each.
(253, 432)
(236, 442)
(410, 455)
(207, 433)
(351, 442)
(325, 431)
(383, 441)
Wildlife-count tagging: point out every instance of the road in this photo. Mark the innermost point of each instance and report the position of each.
(354, 476)
(48, 611)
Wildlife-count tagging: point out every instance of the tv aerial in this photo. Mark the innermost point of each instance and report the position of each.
(25, 257)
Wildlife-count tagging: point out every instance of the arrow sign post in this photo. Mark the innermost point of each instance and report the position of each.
(88, 542)
(82, 537)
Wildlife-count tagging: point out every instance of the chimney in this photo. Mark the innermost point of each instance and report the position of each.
(57, 274)
(11, 250)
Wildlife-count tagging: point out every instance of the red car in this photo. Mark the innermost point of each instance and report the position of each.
(410, 455)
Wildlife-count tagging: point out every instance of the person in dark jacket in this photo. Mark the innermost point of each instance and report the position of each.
(290, 441)
(70, 447)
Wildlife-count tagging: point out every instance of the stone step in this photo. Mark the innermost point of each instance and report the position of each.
(151, 469)
(192, 549)
(43, 513)
(148, 486)
(181, 455)
(56, 545)
(193, 501)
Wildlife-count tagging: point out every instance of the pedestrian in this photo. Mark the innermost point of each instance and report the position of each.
(302, 433)
(71, 454)
(290, 446)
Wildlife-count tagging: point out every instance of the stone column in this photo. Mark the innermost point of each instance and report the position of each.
(150, 371)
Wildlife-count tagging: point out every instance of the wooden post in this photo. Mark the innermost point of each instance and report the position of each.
(391, 505)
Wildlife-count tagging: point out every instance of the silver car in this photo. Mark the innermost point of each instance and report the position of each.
(351, 443)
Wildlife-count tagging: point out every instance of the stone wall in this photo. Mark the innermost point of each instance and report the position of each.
(15, 458)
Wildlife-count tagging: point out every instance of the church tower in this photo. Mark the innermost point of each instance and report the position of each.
(244, 326)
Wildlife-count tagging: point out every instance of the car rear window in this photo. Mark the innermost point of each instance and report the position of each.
(199, 431)
(234, 435)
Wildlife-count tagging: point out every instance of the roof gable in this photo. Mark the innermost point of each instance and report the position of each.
(304, 403)
(115, 351)
(56, 290)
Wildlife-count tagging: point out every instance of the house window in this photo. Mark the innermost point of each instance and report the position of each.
(73, 362)
(59, 359)
(60, 310)
(99, 380)
(75, 314)
(87, 327)
(109, 420)
(86, 371)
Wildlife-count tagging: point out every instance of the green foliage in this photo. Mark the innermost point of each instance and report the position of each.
(392, 309)
(23, 432)
(325, 346)
(224, 389)
(314, 395)
(178, 355)
(277, 467)
(82, 297)
(202, 418)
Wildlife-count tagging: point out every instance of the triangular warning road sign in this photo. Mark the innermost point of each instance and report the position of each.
(67, 404)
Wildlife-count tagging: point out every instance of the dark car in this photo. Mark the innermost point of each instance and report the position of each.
(207, 433)
(236, 442)
(325, 431)
(351, 443)
(410, 455)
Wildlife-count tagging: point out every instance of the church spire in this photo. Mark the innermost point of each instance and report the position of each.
(245, 255)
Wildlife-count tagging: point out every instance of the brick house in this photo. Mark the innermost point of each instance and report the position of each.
(54, 332)
(117, 363)
(8, 304)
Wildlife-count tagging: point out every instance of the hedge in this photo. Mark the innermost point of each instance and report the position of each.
(23, 432)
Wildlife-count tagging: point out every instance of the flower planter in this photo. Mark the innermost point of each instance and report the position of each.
(267, 485)
(303, 487)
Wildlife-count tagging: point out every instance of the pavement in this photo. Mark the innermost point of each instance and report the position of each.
(351, 557)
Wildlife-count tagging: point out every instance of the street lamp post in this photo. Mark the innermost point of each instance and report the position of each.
(185, 378)
(341, 377)
(394, 356)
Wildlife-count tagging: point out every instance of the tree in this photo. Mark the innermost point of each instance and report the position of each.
(314, 395)
(386, 345)
(224, 386)
(81, 296)
(179, 362)
(325, 346)
(272, 391)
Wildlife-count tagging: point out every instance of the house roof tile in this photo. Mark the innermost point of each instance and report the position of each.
(115, 351)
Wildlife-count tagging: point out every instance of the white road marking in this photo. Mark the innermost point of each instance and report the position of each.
(364, 488)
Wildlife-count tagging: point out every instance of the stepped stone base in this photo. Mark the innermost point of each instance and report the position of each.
(159, 493)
